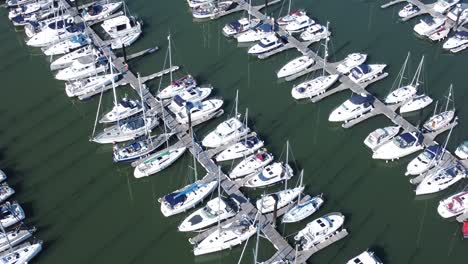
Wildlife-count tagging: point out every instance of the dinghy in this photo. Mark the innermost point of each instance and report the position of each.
(127, 130)
(83, 67)
(158, 161)
(266, 204)
(462, 151)
(319, 230)
(186, 198)
(429, 158)
(251, 164)
(256, 34)
(366, 257)
(67, 45)
(401, 146)
(303, 210)
(315, 33)
(196, 94)
(271, 174)
(366, 72)
(351, 61)
(11, 213)
(418, 102)
(217, 209)
(241, 149)
(176, 87)
(295, 66)
(381, 136)
(441, 180)
(299, 24)
(225, 237)
(199, 111)
(352, 108)
(225, 132)
(99, 11)
(454, 205)
(269, 43)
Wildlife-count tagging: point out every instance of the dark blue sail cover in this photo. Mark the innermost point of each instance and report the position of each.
(409, 138)
(265, 28)
(433, 150)
(358, 99)
(179, 197)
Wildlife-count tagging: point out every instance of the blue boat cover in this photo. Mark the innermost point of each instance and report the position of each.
(362, 69)
(178, 100)
(434, 150)
(358, 99)
(410, 138)
(179, 197)
(235, 25)
(265, 28)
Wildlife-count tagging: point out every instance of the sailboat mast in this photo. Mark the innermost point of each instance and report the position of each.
(143, 105)
(170, 55)
(194, 154)
(289, 7)
(237, 100)
(300, 184)
(250, 7)
(449, 96)
(415, 81)
(219, 195)
(257, 242)
(286, 164)
(403, 69)
(246, 120)
(113, 81)
(325, 55)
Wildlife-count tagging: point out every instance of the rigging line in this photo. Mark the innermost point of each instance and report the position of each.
(452, 240)
(293, 158)
(418, 240)
(97, 113)
(164, 66)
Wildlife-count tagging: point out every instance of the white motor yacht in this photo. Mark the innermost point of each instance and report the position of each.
(459, 13)
(271, 174)
(266, 204)
(67, 45)
(5, 192)
(66, 60)
(11, 213)
(408, 10)
(428, 25)
(291, 17)
(256, 34)
(352, 108)
(225, 132)
(22, 254)
(199, 111)
(454, 205)
(226, 237)
(240, 26)
(197, 3)
(89, 85)
(195, 94)
(457, 42)
(176, 87)
(295, 66)
(381, 136)
(438, 121)
(319, 230)
(442, 6)
(217, 209)
(315, 33)
(269, 43)
(158, 161)
(425, 161)
(251, 164)
(366, 72)
(126, 130)
(55, 32)
(462, 150)
(441, 180)
(401, 146)
(24, 10)
(125, 109)
(99, 11)
(303, 210)
(186, 198)
(366, 257)
(401, 94)
(351, 61)
(83, 67)
(121, 26)
(314, 87)
(299, 24)
(212, 9)
(416, 103)
(241, 149)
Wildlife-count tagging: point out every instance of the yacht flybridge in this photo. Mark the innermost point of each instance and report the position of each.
(352, 108)
(83, 67)
(314, 87)
(225, 132)
(186, 198)
(199, 110)
(429, 158)
(381, 136)
(55, 32)
(401, 146)
(256, 34)
(270, 175)
(366, 257)
(123, 30)
(269, 43)
(454, 205)
(251, 164)
(319, 230)
(291, 17)
(299, 24)
(99, 11)
(196, 94)
(351, 61)
(177, 86)
(295, 66)
(315, 33)
(240, 26)
(266, 204)
(366, 72)
(428, 25)
(441, 179)
(218, 209)
(408, 10)
(122, 110)
(416, 103)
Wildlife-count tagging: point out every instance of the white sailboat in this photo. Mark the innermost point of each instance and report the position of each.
(454, 205)
(462, 151)
(158, 161)
(366, 72)
(319, 230)
(241, 149)
(295, 66)
(418, 102)
(99, 11)
(55, 32)
(442, 119)
(241, 25)
(67, 60)
(315, 33)
(251, 164)
(299, 24)
(196, 94)
(199, 110)
(89, 85)
(366, 257)
(256, 34)
(67, 45)
(381, 136)
(11, 213)
(401, 146)
(22, 254)
(266, 44)
(14, 237)
(177, 86)
(441, 179)
(408, 10)
(83, 67)
(127, 130)
(281, 198)
(405, 92)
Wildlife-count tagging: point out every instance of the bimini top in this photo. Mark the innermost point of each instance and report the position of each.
(410, 138)
(95, 9)
(359, 99)
(429, 20)
(265, 28)
(433, 151)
